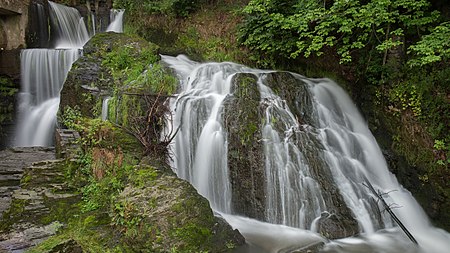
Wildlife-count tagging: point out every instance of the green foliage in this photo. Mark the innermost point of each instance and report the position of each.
(139, 71)
(441, 146)
(154, 79)
(7, 87)
(143, 175)
(178, 8)
(193, 234)
(308, 27)
(71, 117)
(127, 63)
(434, 47)
(405, 96)
(212, 48)
(126, 216)
(7, 92)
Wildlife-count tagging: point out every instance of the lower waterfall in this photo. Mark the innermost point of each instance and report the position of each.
(318, 155)
(43, 72)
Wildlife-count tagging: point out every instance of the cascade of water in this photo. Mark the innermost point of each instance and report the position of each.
(105, 108)
(94, 25)
(43, 72)
(116, 21)
(205, 88)
(337, 137)
(71, 28)
(287, 169)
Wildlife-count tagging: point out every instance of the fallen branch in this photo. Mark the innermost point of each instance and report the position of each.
(389, 210)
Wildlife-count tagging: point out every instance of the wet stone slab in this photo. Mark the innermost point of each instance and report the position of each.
(13, 161)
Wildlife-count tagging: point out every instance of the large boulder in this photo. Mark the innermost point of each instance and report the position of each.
(160, 213)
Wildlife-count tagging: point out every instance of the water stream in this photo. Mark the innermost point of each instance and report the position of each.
(334, 134)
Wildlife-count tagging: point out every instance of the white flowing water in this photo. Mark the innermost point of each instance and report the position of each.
(71, 28)
(93, 24)
(105, 108)
(116, 21)
(337, 135)
(43, 72)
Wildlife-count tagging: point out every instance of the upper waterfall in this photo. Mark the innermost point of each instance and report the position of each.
(116, 21)
(72, 31)
(317, 153)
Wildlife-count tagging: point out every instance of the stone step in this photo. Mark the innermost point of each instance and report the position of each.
(10, 180)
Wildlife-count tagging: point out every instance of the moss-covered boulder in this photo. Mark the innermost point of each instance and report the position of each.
(159, 212)
(108, 61)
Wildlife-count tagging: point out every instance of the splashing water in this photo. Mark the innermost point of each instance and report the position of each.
(332, 136)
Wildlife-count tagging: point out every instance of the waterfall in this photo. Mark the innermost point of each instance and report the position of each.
(70, 25)
(105, 108)
(43, 72)
(116, 21)
(325, 137)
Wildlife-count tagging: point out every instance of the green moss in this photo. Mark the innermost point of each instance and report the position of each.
(143, 176)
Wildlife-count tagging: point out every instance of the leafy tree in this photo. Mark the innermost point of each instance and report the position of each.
(434, 47)
(302, 28)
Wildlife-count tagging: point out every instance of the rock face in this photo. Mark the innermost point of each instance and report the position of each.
(14, 19)
(245, 157)
(243, 118)
(12, 164)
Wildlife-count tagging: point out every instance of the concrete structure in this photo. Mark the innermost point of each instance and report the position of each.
(13, 24)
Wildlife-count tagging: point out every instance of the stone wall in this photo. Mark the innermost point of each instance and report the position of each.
(13, 23)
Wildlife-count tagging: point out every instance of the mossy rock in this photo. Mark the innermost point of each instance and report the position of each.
(159, 212)
(242, 118)
(102, 67)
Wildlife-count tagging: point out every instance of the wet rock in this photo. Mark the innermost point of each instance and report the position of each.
(243, 118)
(336, 226)
(12, 164)
(315, 248)
(245, 156)
(339, 222)
(295, 92)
